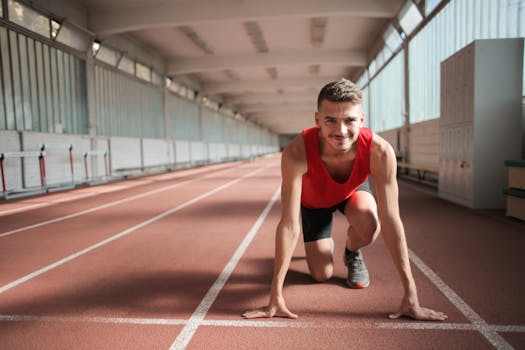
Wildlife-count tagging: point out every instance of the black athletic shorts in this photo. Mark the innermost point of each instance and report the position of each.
(317, 222)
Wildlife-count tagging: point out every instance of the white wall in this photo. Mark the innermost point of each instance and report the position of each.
(234, 150)
(424, 143)
(217, 152)
(157, 152)
(10, 142)
(423, 138)
(125, 152)
(182, 152)
(198, 152)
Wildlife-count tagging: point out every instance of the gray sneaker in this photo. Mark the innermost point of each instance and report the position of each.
(357, 273)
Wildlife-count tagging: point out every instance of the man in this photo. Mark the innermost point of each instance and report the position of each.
(326, 169)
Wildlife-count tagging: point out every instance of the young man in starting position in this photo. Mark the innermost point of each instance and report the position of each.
(326, 169)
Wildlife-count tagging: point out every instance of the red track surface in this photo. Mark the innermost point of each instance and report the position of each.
(136, 265)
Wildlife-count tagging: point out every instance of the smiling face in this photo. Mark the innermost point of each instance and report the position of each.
(339, 124)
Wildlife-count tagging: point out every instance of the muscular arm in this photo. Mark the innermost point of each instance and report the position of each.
(293, 166)
(288, 228)
(383, 167)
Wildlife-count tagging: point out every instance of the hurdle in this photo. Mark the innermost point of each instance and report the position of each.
(22, 190)
(58, 146)
(92, 178)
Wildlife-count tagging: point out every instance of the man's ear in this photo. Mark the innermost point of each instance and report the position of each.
(317, 121)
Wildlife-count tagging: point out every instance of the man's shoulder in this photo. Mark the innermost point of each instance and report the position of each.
(382, 156)
(295, 149)
(294, 153)
(380, 147)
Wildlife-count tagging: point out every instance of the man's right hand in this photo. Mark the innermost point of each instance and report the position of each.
(276, 308)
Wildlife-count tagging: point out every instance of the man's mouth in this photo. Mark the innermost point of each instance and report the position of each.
(339, 138)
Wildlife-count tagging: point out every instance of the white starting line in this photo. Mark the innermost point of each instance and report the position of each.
(392, 325)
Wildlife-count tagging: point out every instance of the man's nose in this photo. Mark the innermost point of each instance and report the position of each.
(342, 128)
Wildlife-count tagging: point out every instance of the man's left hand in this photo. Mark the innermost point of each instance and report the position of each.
(419, 313)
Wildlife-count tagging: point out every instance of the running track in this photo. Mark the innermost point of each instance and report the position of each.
(171, 261)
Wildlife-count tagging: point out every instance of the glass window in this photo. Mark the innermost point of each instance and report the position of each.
(372, 68)
(430, 5)
(6, 74)
(156, 78)
(409, 17)
(143, 72)
(363, 80)
(17, 85)
(392, 39)
(126, 65)
(28, 18)
(455, 26)
(73, 37)
(366, 108)
(107, 55)
(42, 95)
(386, 94)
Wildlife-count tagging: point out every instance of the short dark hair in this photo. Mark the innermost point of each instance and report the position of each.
(342, 90)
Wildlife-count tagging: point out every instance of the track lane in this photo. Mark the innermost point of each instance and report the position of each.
(36, 248)
(349, 318)
(477, 255)
(334, 304)
(164, 269)
(24, 214)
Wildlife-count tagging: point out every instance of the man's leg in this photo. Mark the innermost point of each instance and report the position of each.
(319, 256)
(317, 227)
(361, 213)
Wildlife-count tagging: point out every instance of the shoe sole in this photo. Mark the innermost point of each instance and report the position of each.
(357, 285)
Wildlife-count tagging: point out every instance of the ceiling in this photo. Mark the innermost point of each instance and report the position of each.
(265, 59)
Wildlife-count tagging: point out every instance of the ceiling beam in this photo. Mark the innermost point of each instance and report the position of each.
(315, 83)
(295, 96)
(281, 107)
(155, 14)
(286, 123)
(256, 60)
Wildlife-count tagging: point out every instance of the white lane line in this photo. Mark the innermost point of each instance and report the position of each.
(110, 204)
(481, 325)
(123, 233)
(393, 325)
(508, 328)
(97, 319)
(198, 315)
(27, 207)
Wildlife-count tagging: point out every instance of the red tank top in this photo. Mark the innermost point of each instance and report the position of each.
(320, 190)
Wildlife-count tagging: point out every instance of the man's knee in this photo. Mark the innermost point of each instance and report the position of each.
(320, 259)
(322, 274)
(365, 231)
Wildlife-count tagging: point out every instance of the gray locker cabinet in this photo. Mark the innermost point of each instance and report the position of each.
(480, 122)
